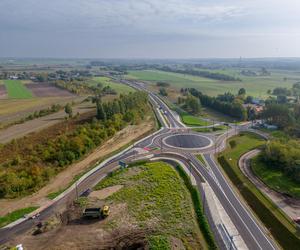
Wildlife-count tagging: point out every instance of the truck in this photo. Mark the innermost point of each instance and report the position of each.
(96, 212)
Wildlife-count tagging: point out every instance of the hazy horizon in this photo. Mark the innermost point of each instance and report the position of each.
(144, 29)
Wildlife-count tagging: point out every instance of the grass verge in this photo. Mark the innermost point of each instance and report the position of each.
(15, 215)
(219, 128)
(282, 229)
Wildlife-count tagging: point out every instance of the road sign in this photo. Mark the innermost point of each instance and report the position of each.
(122, 164)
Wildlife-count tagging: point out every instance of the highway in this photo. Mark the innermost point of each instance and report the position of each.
(177, 142)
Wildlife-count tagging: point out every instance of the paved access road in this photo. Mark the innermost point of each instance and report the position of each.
(178, 147)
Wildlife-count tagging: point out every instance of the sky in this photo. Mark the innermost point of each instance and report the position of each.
(149, 28)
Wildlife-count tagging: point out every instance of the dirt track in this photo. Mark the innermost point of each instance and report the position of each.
(20, 130)
(122, 138)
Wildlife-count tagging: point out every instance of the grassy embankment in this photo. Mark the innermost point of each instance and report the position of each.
(255, 86)
(282, 229)
(15, 215)
(275, 179)
(157, 198)
(16, 90)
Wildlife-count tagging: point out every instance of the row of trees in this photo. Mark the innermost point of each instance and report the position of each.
(281, 91)
(227, 104)
(284, 156)
(30, 167)
(201, 73)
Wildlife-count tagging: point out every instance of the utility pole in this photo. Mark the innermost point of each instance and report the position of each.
(76, 188)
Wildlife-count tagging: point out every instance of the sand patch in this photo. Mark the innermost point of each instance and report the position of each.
(105, 192)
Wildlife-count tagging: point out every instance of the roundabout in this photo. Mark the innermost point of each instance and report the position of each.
(188, 141)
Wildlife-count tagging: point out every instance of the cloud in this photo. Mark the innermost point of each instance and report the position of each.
(100, 14)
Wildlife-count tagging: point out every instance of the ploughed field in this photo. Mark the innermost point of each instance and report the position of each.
(47, 90)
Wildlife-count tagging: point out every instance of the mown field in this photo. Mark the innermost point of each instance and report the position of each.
(156, 198)
(275, 179)
(105, 81)
(282, 229)
(17, 90)
(256, 86)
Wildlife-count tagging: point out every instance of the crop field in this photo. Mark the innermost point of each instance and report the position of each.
(16, 90)
(105, 81)
(256, 86)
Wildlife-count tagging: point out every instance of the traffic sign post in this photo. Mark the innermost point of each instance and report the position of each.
(122, 164)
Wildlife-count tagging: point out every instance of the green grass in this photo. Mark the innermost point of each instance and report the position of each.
(15, 215)
(155, 192)
(105, 81)
(256, 86)
(193, 120)
(275, 179)
(16, 90)
(159, 242)
(283, 230)
(219, 128)
(200, 158)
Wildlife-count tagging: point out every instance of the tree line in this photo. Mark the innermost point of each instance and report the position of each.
(227, 103)
(31, 167)
(201, 73)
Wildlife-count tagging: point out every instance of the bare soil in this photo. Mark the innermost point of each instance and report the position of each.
(72, 231)
(122, 138)
(47, 90)
(105, 192)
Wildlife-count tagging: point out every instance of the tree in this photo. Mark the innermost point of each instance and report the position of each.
(163, 92)
(242, 91)
(249, 99)
(68, 110)
(101, 115)
(192, 105)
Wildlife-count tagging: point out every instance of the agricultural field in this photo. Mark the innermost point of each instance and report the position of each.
(255, 86)
(105, 81)
(17, 90)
